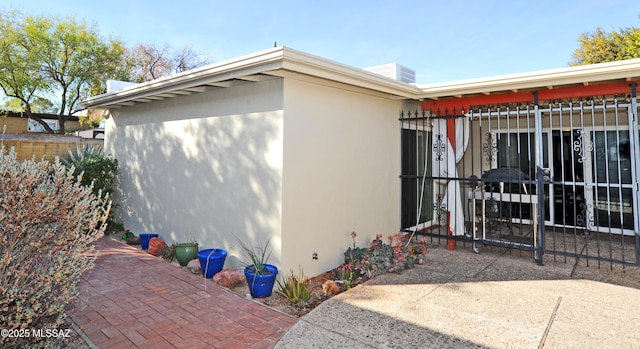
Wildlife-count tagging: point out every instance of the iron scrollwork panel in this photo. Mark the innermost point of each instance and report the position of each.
(439, 148)
(582, 146)
(585, 218)
(489, 148)
(438, 210)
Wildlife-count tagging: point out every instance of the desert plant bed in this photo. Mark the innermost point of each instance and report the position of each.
(361, 264)
(394, 255)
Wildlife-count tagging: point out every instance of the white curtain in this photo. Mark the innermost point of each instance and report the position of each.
(443, 164)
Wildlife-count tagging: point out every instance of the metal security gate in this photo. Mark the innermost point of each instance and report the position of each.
(555, 177)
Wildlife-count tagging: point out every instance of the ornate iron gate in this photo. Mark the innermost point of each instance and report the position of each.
(554, 177)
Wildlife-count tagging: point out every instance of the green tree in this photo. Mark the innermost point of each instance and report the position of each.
(38, 105)
(56, 59)
(601, 46)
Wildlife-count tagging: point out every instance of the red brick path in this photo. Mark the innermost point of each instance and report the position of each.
(131, 299)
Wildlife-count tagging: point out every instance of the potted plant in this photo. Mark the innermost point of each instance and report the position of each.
(127, 235)
(260, 275)
(186, 251)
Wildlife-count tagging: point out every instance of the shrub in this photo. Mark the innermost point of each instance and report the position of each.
(380, 258)
(48, 219)
(169, 253)
(345, 275)
(295, 288)
(97, 168)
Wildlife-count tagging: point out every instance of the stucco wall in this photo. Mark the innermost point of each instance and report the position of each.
(299, 162)
(341, 167)
(204, 167)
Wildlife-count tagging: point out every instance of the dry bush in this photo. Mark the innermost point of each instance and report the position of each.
(47, 220)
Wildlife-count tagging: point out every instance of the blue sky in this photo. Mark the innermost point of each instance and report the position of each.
(441, 40)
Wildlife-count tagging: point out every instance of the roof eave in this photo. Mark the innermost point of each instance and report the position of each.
(210, 74)
(585, 75)
(268, 62)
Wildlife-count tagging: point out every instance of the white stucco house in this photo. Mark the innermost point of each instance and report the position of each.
(285, 146)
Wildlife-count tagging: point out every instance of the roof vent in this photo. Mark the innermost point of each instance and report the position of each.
(395, 71)
(116, 85)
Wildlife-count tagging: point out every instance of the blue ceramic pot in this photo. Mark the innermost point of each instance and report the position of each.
(212, 261)
(261, 286)
(144, 240)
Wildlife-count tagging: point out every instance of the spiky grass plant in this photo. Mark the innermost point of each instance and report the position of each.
(295, 287)
(257, 256)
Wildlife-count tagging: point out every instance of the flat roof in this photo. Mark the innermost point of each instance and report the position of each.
(286, 62)
(584, 75)
(276, 62)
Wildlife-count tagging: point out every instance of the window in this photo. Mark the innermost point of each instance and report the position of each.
(416, 159)
(611, 169)
(34, 126)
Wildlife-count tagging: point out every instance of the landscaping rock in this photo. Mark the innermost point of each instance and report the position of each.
(330, 288)
(418, 249)
(228, 277)
(133, 240)
(194, 266)
(156, 246)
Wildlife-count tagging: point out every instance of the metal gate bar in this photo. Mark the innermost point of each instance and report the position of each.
(635, 167)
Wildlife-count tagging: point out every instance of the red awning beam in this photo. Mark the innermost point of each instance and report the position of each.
(456, 105)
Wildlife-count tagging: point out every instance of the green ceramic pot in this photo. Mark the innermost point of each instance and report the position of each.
(185, 252)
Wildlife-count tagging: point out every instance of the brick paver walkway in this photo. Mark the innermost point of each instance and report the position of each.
(131, 299)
